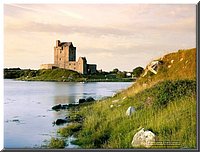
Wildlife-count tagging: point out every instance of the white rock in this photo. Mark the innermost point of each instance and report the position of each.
(113, 94)
(130, 110)
(169, 66)
(114, 101)
(111, 106)
(143, 138)
(153, 67)
(181, 59)
(124, 98)
(172, 61)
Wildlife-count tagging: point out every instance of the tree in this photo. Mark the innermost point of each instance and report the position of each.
(121, 74)
(115, 70)
(137, 71)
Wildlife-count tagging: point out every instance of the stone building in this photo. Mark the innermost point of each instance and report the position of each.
(65, 57)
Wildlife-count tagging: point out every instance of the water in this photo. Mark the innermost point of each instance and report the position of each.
(27, 107)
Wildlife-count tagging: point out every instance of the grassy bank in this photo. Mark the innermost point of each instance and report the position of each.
(165, 104)
(171, 116)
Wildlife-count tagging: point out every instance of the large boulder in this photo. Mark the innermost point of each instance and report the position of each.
(57, 107)
(60, 121)
(130, 110)
(143, 139)
(89, 99)
(153, 67)
(81, 101)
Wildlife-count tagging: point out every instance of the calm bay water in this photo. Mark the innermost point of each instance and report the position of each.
(27, 107)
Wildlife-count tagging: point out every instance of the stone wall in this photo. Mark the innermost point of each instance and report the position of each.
(48, 66)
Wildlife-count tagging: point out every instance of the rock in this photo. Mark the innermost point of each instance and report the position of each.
(65, 106)
(60, 107)
(81, 101)
(89, 99)
(15, 120)
(172, 61)
(113, 94)
(124, 98)
(111, 106)
(169, 66)
(153, 67)
(57, 107)
(72, 105)
(60, 121)
(130, 110)
(114, 101)
(143, 139)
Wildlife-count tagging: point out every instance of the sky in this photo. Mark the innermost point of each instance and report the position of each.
(122, 36)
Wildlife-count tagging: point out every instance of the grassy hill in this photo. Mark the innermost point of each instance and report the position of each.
(53, 75)
(165, 103)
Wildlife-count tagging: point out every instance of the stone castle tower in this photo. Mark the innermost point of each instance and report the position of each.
(64, 53)
(65, 57)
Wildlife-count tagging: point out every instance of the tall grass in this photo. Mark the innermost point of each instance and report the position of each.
(165, 104)
(106, 127)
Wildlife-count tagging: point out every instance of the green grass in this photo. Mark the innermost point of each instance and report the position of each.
(70, 129)
(165, 104)
(55, 75)
(106, 127)
(56, 143)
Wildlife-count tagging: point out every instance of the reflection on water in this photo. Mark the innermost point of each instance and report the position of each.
(27, 107)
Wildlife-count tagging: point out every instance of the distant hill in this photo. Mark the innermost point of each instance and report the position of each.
(165, 104)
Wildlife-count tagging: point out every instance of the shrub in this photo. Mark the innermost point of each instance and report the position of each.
(171, 90)
(137, 71)
(56, 143)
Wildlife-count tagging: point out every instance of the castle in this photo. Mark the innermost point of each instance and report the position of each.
(65, 57)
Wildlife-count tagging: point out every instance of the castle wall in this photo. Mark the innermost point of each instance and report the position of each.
(48, 66)
(71, 66)
(82, 65)
(92, 68)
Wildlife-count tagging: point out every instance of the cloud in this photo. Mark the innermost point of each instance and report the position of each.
(122, 35)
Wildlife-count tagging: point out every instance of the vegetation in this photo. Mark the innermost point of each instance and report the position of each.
(55, 75)
(14, 73)
(70, 129)
(165, 104)
(168, 120)
(138, 71)
(56, 143)
(64, 75)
